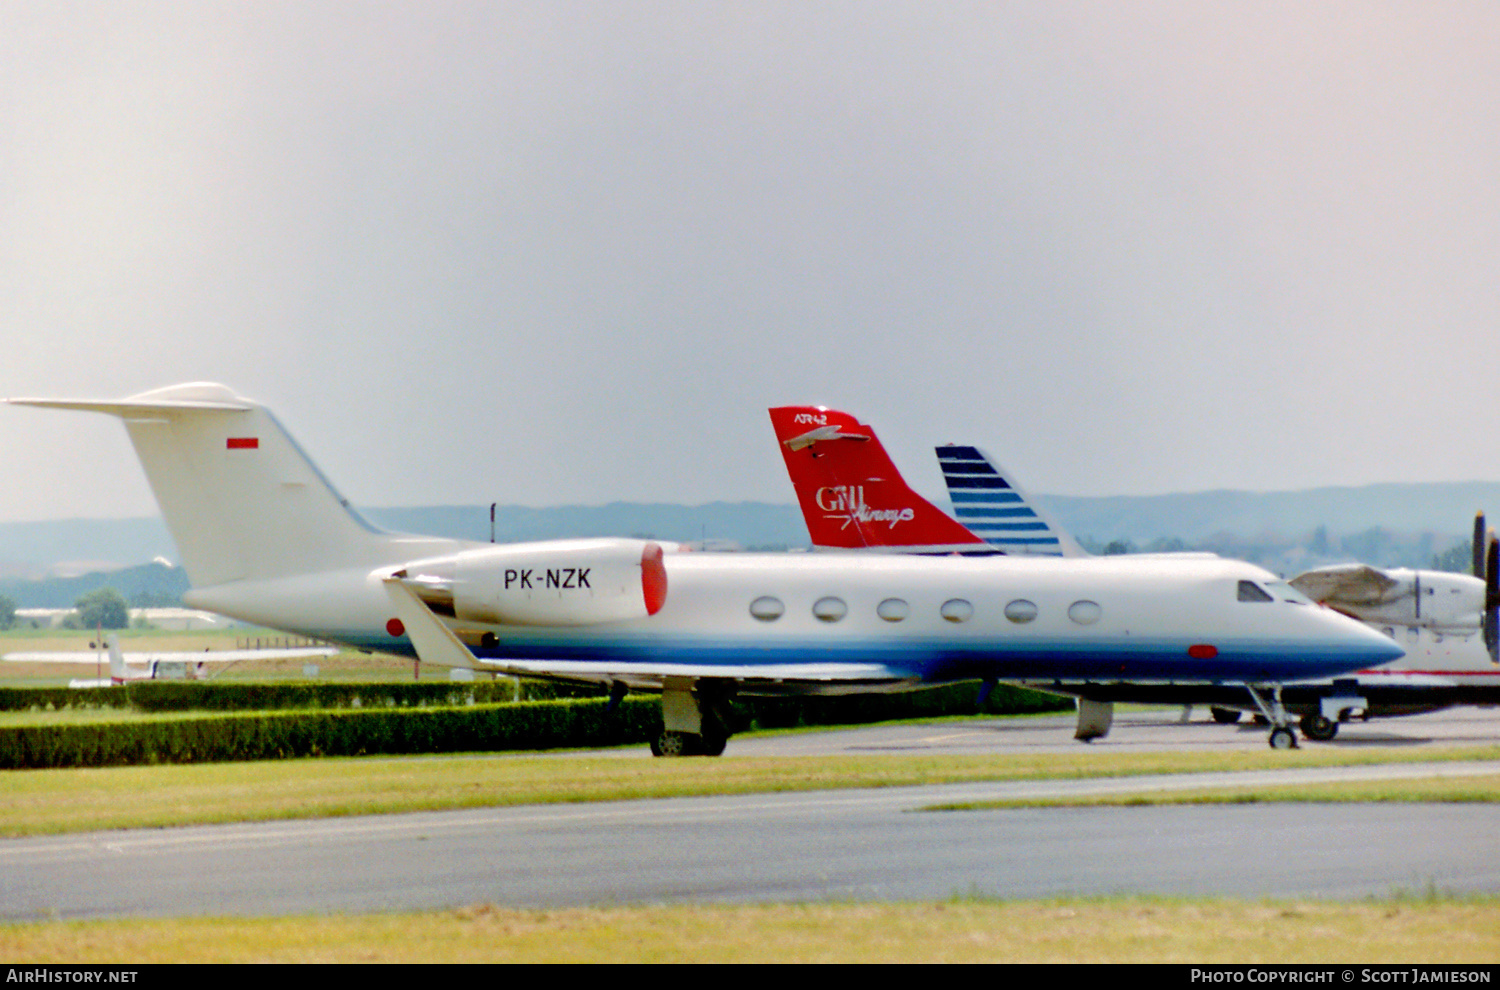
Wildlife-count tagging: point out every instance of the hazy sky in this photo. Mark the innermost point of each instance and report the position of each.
(549, 252)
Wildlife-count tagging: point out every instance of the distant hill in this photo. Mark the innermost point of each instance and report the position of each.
(152, 585)
(76, 546)
(1388, 524)
(1447, 508)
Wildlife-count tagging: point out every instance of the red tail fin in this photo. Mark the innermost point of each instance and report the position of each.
(852, 496)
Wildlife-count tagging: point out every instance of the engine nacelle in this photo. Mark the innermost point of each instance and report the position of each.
(1398, 596)
(556, 583)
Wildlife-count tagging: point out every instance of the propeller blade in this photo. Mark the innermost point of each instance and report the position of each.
(1491, 620)
(1478, 546)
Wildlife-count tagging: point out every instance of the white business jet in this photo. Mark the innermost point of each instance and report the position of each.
(1446, 622)
(265, 538)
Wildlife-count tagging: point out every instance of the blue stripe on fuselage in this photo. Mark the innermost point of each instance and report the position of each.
(938, 661)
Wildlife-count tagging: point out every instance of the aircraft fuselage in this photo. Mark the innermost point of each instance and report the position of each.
(914, 618)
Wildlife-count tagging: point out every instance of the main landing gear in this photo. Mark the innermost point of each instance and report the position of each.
(694, 718)
(689, 744)
(1094, 719)
(1318, 727)
(1225, 716)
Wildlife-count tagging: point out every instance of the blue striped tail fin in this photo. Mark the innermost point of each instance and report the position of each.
(995, 508)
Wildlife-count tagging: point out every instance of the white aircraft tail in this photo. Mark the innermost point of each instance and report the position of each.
(240, 498)
(118, 672)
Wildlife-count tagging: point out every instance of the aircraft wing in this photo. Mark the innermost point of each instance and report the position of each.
(437, 644)
(1345, 584)
(599, 670)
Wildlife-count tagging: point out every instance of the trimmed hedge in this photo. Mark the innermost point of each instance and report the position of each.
(525, 726)
(400, 727)
(227, 696)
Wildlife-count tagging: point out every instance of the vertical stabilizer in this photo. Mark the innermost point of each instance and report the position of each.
(117, 671)
(240, 498)
(851, 494)
(994, 506)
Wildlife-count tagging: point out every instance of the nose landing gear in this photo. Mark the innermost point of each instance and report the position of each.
(1282, 734)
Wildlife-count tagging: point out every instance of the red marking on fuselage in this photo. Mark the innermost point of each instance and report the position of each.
(653, 578)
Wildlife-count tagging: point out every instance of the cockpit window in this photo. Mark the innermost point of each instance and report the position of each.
(1252, 592)
(1287, 593)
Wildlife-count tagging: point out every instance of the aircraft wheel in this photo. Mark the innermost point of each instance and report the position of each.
(1283, 738)
(673, 744)
(1319, 727)
(714, 738)
(1225, 716)
(712, 744)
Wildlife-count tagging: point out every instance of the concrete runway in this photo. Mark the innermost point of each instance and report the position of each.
(866, 844)
(1141, 731)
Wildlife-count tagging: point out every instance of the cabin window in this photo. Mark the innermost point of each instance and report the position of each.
(1085, 612)
(1020, 611)
(767, 608)
(957, 610)
(1252, 592)
(893, 610)
(830, 609)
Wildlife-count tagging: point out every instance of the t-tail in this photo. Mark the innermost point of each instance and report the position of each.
(240, 498)
(851, 495)
(990, 503)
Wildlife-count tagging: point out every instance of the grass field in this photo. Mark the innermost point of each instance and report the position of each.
(56, 801)
(1419, 927)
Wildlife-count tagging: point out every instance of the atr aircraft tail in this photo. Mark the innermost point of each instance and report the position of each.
(851, 494)
(240, 498)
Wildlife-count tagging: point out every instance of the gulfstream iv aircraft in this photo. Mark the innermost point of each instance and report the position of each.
(265, 538)
(1447, 623)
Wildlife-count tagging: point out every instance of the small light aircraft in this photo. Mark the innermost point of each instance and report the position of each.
(1444, 621)
(265, 538)
(149, 666)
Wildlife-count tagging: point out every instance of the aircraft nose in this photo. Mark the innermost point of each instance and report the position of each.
(1370, 642)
